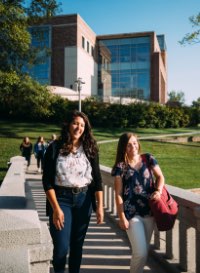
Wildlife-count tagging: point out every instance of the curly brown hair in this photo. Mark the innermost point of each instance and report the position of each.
(87, 139)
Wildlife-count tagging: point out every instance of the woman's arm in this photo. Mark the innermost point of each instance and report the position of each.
(97, 189)
(58, 215)
(123, 222)
(160, 181)
(99, 208)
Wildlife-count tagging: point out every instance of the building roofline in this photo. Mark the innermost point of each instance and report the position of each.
(78, 16)
(124, 35)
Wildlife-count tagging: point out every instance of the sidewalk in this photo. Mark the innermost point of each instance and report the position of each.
(106, 248)
(196, 132)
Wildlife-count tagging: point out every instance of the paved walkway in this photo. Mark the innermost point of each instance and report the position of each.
(196, 132)
(106, 248)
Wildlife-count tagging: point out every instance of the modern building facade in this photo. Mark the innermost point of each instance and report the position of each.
(131, 65)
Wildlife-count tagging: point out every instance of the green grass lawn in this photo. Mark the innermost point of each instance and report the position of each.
(179, 162)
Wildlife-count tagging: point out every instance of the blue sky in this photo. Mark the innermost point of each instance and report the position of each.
(168, 17)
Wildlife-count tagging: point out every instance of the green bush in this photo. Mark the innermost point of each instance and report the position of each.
(23, 98)
(142, 115)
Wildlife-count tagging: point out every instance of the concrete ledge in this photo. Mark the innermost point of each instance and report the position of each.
(12, 190)
(19, 227)
(25, 242)
(42, 252)
(10, 257)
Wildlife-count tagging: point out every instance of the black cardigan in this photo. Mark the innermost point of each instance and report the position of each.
(49, 170)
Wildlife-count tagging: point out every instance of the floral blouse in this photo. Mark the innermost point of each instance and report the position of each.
(73, 170)
(137, 186)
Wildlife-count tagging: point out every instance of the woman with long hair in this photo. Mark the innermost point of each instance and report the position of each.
(133, 177)
(26, 148)
(73, 185)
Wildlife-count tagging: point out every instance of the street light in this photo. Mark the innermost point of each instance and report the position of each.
(79, 83)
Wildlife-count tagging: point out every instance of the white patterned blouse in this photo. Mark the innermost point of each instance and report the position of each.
(73, 170)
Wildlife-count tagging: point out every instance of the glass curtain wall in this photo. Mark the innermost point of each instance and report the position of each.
(127, 61)
(41, 40)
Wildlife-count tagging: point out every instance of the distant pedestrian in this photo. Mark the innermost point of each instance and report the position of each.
(39, 150)
(53, 137)
(26, 150)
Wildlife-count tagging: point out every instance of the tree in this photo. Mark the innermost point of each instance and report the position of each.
(196, 103)
(43, 9)
(19, 93)
(193, 37)
(21, 96)
(14, 38)
(195, 112)
(176, 98)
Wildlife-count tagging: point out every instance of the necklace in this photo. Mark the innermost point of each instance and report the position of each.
(133, 161)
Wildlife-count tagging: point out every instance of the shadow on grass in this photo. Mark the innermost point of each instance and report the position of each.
(3, 169)
(19, 129)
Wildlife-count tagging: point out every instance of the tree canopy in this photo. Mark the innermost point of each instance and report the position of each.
(19, 93)
(39, 10)
(15, 39)
(176, 98)
(193, 37)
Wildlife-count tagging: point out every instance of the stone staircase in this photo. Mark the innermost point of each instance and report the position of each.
(106, 248)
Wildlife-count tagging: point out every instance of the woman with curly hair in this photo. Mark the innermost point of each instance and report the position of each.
(73, 185)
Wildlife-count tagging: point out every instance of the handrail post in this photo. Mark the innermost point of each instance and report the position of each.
(197, 214)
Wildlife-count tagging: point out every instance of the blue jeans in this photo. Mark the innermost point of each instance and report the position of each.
(77, 209)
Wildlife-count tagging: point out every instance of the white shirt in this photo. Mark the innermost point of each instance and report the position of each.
(73, 170)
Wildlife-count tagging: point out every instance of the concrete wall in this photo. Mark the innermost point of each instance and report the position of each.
(25, 242)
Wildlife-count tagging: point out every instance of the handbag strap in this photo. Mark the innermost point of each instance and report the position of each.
(146, 159)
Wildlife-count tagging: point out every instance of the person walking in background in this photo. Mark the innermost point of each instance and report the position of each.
(73, 186)
(39, 150)
(26, 148)
(133, 180)
(53, 137)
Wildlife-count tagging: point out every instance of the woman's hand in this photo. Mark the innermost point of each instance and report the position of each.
(58, 218)
(124, 224)
(155, 195)
(99, 215)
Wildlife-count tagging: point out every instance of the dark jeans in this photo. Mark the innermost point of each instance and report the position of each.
(77, 210)
(40, 159)
(28, 159)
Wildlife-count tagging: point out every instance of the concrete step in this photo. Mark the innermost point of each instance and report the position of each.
(106, 247)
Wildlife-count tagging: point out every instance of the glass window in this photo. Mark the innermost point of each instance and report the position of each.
(161, 41)
(83, 42)
(92, 51)
(143, 53)
(88, 47)
(129, 60)
(40, 38)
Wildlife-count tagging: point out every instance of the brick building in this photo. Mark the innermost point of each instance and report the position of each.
(129, 65)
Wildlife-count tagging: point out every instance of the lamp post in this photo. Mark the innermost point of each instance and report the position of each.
(79, 83)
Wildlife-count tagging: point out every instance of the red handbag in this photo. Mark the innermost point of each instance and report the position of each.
(164, 209)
